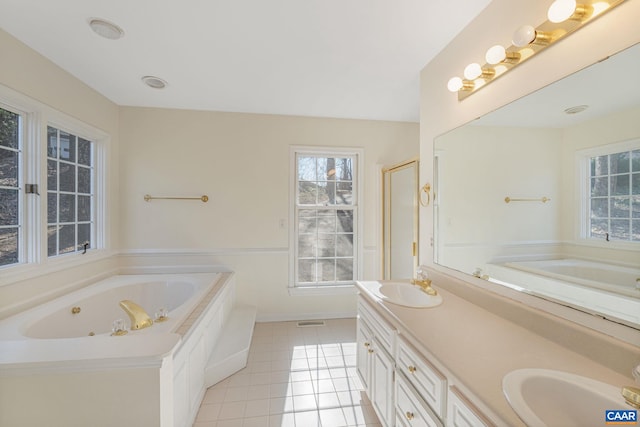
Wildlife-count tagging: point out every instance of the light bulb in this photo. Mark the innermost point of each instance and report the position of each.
(495, 55)
(472, 71)
(455, 84)
(524, 35)
(561, 10)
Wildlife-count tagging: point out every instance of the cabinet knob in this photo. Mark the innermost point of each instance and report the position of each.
(367, 344)
(409, 415)
(412, 369)
(370, 350)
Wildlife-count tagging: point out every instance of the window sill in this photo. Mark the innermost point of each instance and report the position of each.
(322, 290)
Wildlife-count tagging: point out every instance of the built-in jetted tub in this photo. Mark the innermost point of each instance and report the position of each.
(61, 364)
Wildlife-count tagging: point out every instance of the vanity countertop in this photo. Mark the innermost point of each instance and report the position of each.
(477, 348)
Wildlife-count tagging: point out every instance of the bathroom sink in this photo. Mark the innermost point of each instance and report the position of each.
(407, 295)
(544, 397)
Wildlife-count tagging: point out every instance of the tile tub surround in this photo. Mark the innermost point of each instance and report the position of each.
(475, 348)
(295, 377)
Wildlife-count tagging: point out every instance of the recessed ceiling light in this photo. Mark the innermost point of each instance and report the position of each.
(154, 82)
(577, 109)
(106, 29)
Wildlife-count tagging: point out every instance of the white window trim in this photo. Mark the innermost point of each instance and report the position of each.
(34, 210)
(582, 176)
(359, 226)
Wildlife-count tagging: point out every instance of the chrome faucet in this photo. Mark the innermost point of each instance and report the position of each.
(139, 318)
(422, 280)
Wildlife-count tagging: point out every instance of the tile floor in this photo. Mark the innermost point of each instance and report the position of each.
(295, 377)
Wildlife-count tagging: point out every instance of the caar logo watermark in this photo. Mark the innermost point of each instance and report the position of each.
(621, 416)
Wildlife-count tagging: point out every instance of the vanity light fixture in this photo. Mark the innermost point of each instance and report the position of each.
(564, 17)
(106, 29)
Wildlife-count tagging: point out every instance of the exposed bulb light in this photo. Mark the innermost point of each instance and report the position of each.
(495, 55)
(455, 84)
(472, 71)
(106, 29)
(561, 10)
(154, 82)
(526, 35)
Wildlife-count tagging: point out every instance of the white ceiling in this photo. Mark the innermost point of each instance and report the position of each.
(325, 58)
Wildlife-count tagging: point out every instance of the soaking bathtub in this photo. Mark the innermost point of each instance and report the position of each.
(579, 283)
(60, 365)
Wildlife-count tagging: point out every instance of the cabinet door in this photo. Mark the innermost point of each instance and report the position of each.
(382, 390)
(363, 361)
(462, 413)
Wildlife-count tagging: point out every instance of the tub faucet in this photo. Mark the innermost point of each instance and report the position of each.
(139, 318)
(632, 394)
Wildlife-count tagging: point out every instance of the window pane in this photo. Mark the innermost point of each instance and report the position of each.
(635, 183)
(9, 207)
(327, 270)
(620, 162)
(344, 245)
(52, 241)
(635, 207)
(9, 129)
(620, 229)
(600, 208)
(620, 207)
(344, 170)
(67, 236)
(635, 230)
(8, 167)
(327, 223)
(344, 269)
(635, 161)
(307, 245)
(67, 208)
(52, 208)
(307, 169)
(84, 152)
(84, 236)
(84, 180)
(52, 175)
(52, 142)
(67, 177)
(306, 270)
(67, 147)
(307, 193)
(326, 245)
(599, 166)
(307, 224)
(84, 208)
(8, 246)
(599, 228)
(345, 221)
(344, 193)
(599, 187)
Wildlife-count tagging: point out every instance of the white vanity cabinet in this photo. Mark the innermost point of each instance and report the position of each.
(376, 344)
(462, 413)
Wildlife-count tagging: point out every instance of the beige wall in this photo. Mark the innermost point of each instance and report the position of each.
(32, 75)
(440, 109)
(242, 162)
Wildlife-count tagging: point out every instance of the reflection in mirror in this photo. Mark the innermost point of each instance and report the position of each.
(543, 195)
(400, 220)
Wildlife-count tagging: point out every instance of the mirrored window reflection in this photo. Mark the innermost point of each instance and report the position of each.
(70, 192)
(614, 203)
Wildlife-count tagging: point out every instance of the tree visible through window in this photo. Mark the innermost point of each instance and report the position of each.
(70, 192)
(325, 211)
(10, 218)
(614, 199)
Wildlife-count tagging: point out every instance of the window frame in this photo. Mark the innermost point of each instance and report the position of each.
(583, 158)
(37, 116)
(358, 186)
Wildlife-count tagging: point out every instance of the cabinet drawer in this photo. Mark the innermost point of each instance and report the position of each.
(384, 332)
(462, 413)
(410, 409)
(427, 380)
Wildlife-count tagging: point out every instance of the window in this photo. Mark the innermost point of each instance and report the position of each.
(69, 192)
(10, 195)
(325, 212)
(52, 188)
(614, 195)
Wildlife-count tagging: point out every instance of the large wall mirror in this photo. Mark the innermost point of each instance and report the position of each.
(543, 195)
